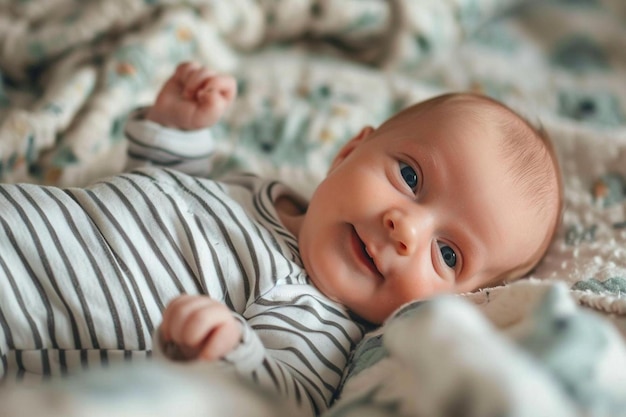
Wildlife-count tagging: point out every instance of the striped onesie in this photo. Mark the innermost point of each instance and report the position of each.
(86, 272)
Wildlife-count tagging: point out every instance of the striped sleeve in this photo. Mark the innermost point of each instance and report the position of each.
(150, 144)
(297, 351)
(307, 344)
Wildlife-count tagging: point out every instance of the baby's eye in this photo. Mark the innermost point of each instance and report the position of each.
(409, 176)
(448, 255)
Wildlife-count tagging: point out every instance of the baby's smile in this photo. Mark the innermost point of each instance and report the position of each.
(363, 256)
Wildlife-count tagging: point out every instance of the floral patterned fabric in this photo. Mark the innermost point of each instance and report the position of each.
(311, 73)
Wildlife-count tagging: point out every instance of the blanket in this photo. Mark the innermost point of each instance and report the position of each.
(310, 74)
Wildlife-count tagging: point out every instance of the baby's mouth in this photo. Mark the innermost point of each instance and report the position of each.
(363, 255)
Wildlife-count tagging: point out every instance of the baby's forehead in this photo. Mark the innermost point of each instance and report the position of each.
(464, 110)
(483, 120)
(479, 110)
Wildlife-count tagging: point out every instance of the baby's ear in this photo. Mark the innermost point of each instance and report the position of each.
(350, 146)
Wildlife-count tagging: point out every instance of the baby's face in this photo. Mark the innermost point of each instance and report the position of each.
(413, 210)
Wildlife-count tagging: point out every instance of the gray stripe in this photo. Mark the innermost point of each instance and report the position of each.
(94, 265)
(218, 272)
(20, 365)
(133, 250)
(266, 200)
(271, 258)
(68, 267)
(142, 149)
(180, 219)
(45, 364)
(220, 225)
(6, 329)
(18, 297)
(244, 232)
(118, 265)
(303, 359)
(148, 237)
(313, 387)
(311, 310)
(36, 283)
(309, 331)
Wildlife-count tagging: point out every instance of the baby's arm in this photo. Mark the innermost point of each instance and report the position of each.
(174, 131)
(297, 350)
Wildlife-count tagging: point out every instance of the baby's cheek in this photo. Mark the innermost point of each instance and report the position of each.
(419, 287)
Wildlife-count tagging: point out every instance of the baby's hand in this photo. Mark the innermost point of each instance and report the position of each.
(193, 98)
(201, 327)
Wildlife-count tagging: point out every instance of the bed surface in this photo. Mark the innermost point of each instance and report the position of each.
(310, 75)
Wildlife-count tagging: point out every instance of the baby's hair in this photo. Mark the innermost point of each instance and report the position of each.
(536, 173)
(529, 151)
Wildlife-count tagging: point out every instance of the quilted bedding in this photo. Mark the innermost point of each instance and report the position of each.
(310, 74)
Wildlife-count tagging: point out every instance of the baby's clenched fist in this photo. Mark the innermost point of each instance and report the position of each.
(194, 97)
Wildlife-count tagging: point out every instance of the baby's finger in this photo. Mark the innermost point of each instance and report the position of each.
(211, 102)
(196, 80)
(184, 70)
(221, 341)
(202, 322)
(224, 85)
(166, 319)
(177, 313)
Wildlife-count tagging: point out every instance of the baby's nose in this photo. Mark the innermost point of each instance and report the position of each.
(405, 230)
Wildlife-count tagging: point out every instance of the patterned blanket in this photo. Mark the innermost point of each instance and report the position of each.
(310, 74)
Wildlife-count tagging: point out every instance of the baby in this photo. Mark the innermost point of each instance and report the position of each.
(450, 195)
